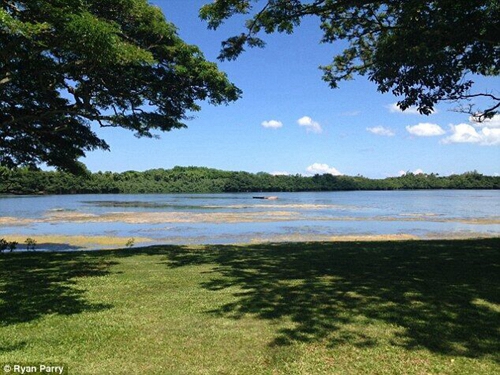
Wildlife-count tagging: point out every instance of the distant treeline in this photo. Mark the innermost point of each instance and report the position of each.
(207, 180)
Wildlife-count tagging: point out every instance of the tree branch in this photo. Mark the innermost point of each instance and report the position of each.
(63, 111)
(478, 116)
(12, 7)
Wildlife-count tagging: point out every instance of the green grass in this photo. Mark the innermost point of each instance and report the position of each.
(412, 307)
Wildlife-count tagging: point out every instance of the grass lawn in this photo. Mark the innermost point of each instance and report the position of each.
(409, 307)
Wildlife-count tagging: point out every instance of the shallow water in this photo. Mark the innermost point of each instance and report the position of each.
(237, 218)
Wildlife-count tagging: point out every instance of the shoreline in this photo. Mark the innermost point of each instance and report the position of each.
(77, 243)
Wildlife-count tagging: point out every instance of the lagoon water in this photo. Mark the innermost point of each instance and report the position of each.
(237, 218)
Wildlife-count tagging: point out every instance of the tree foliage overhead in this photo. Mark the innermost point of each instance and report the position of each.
(65, 64)
(421, 51)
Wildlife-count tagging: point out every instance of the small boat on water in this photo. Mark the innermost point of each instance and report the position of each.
(270, 197)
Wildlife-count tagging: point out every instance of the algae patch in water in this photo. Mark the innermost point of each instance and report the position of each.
(16, 221)
(141, 204)
(224, 217)
(170, 217)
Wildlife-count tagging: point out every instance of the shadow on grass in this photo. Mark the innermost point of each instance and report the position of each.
(440, 295)
(12, 347)
(33, 284)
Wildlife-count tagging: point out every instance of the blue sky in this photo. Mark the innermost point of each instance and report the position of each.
(289, 121)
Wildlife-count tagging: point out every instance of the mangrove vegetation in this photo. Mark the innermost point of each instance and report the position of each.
(209, 180)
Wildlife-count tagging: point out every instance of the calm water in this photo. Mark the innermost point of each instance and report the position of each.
(237, 218)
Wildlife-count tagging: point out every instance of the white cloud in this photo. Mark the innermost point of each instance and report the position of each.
(318, 168)
(309, 124)
(486, 133)
(380, 130)
(280, 173)
(490, 137)
(465, 133)
(272, 124)
(493, 122)
(393, 108)
(425, 129)
(462, 133)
